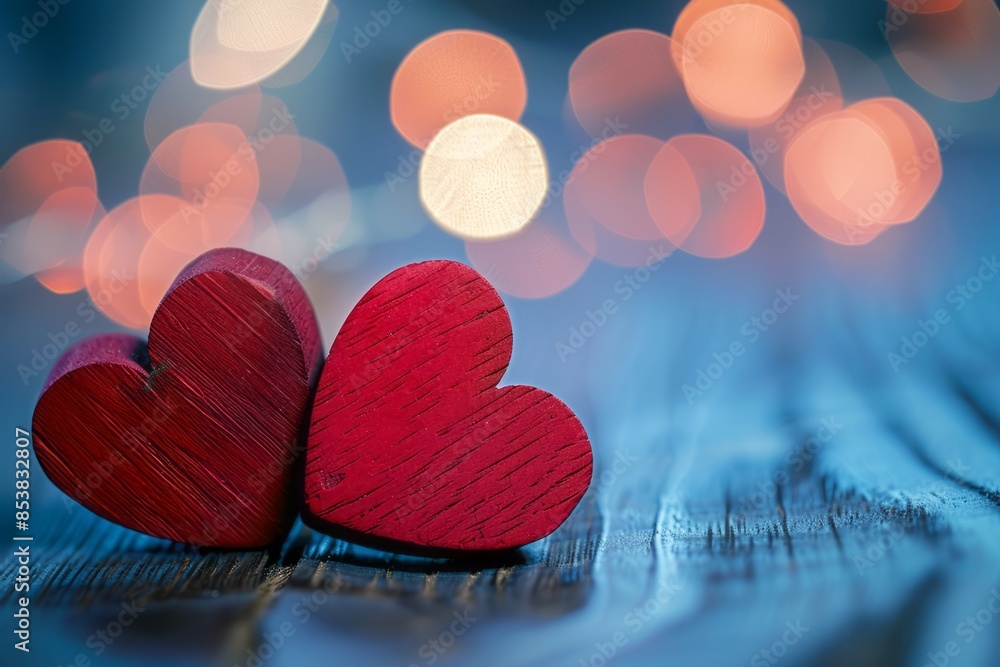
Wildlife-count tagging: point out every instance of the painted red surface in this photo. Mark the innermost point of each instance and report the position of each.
(196, 440)
(413, 447)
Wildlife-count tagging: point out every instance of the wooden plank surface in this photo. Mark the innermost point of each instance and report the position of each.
(860, 564)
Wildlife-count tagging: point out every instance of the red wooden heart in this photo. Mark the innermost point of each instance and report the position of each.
(412, 445)
(193, 438)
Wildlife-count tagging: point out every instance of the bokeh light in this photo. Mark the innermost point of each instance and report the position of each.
(953, 54)
(859, 76)
(42, 227)
(261, 117)
(925, 6)
(731, 195)
(272, 137)
(741, 63)
(839, 176)
(236, 44)
(111, 262)
(228, 168)
(769, 143)
(37, 171)
(610, 177)
(296, 171)
(313, 203)
(629, 77)
(160, 262)
(853, 172)
(842, 162)
(306, 60)
(600, 242)
(137, 250)
(817, 95)
(212, 168)
(821, 74)
(830, 227)
(59, 231)
(483, 177)
(179, 101)
(696, 9)
(451, 75)
(539, 261)
(915, 152)
(178, 224)
(671, 192)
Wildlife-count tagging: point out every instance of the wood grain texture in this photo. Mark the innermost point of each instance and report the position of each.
(869, 545)
(412, 445)
(193, 438)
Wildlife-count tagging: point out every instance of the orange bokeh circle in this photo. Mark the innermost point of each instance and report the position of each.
(453, 74)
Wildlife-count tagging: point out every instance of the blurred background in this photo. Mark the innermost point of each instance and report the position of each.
(714, 312)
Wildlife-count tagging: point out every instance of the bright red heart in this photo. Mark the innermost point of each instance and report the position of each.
(413, 446)
(193, 438)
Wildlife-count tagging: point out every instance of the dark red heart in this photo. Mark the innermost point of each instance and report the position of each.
(194, 438)
(412, 445)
